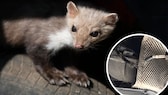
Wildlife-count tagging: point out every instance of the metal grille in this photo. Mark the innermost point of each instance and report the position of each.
(152, 74)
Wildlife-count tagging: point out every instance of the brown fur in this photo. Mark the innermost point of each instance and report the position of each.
(35, 31)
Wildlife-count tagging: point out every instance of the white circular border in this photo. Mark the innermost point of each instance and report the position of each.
(131, 35)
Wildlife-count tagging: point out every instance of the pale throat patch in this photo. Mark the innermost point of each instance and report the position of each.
(59, 39)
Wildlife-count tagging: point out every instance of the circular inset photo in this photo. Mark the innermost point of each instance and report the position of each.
(138, 65)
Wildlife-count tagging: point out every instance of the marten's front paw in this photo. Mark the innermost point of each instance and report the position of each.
(80, 79)
(56, 77)
(77, 77)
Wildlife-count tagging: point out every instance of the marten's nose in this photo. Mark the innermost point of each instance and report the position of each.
(79, 46)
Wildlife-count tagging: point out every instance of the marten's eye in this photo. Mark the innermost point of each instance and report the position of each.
(94, 34)
(74, 29)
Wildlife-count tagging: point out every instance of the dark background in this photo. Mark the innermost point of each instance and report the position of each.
(145, 16)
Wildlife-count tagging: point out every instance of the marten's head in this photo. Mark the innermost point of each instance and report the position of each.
(88, 25)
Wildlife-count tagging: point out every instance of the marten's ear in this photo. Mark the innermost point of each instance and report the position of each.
(72, 10)
(111, 18)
